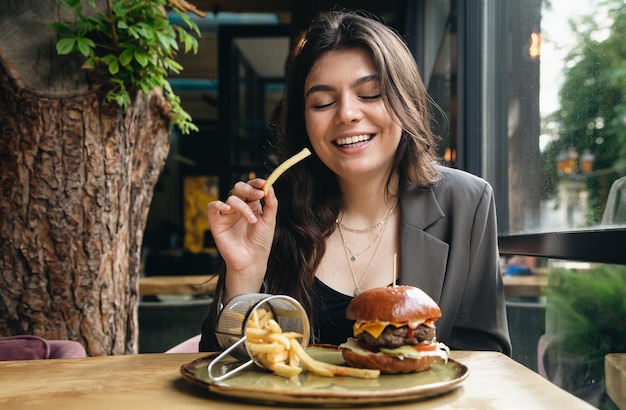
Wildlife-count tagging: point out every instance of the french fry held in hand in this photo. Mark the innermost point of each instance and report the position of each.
(288, 163)
(282, 353)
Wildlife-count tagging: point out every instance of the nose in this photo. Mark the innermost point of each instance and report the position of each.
(348, 111)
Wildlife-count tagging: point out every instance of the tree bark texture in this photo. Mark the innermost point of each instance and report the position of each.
(76, 181)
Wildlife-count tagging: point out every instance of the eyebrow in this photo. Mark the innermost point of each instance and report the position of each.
(323, 87)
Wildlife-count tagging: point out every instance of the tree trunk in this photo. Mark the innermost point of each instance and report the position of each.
(76, 181)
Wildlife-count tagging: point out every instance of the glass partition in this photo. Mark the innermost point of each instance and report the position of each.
(565, 317)
(552, 134)
(534, 95)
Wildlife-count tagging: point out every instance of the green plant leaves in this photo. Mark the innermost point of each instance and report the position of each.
(590, 304)
(66, 45)
(61, 28)
(126, 57)
(72, 4)
(135, 43)
(85, 45)
(191, 44)
(142, 58)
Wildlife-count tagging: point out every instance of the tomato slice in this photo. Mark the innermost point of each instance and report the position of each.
(426, 348)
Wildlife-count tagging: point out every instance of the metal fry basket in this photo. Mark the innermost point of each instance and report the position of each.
(232, 323)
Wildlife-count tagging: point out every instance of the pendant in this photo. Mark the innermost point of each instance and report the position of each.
(353, 258)
(357, 291)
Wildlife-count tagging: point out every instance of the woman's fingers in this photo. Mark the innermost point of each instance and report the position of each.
(215, 211)
(240, 206)
(250, 191)
(244, 200)
(270, 207)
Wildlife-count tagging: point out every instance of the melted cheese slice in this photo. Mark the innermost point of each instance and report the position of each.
(376, 328)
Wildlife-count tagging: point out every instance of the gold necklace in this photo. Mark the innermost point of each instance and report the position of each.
(354, 256)
(377, 240)
(370, 228)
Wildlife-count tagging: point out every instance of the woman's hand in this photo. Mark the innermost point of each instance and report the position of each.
(243, 230)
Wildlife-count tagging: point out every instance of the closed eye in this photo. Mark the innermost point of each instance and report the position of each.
(362, 97)
(371, 97)
(322, 106)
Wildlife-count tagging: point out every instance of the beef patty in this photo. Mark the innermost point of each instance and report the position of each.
(398, 336)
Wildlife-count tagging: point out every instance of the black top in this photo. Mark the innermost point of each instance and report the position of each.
(329, 324)
(329, 315)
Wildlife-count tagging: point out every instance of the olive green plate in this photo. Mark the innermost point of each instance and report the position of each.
(260, 386)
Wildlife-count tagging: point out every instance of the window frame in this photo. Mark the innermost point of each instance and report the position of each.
(597, 245)
(479, 22)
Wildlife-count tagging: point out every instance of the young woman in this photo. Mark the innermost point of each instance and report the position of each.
(332, 225)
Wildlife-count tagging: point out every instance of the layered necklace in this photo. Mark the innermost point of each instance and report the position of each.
(352, 256)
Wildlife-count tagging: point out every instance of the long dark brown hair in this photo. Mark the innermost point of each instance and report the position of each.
(309, 194)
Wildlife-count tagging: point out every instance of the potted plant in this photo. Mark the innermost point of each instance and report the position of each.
(585, 320)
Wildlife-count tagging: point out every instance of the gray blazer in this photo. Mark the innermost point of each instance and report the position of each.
(449, 249)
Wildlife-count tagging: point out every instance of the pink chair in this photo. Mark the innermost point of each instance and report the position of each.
(28, 347)
(190, 345)
(541, 350)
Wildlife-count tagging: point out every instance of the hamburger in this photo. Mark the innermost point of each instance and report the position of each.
(394, 330)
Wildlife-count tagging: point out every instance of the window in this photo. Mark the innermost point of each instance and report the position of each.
(566, 125)
(552, 138)
(565, 93)
(534, 95)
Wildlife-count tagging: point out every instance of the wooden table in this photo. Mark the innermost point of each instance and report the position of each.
(153, 381)
(615, 370)
(178, 285)
(529, 285)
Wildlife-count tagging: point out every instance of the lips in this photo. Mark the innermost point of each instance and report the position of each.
(353, 141)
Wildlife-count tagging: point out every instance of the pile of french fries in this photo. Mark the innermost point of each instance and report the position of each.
(282, 352)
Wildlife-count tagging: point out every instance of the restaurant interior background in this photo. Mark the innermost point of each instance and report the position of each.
(534, 96)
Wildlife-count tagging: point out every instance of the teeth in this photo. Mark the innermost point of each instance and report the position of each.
(353, 140)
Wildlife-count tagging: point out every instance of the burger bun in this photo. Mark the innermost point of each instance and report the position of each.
(387, 364)
(394, 304)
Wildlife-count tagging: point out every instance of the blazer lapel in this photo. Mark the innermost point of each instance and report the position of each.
(423, 257)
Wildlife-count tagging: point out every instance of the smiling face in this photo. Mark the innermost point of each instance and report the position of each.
(347, 120)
